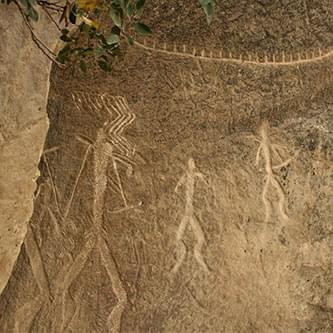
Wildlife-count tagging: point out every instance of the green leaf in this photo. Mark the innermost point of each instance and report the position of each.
(123, 4)
(130, 10)
(86, 51)
(99, 50)
(83, 66)
(104, 65)
(130, 41)
(72, 15)
(140, 4)
(101, 37)
(63, 54)
(209, 8)
(66, 39)
(85, 27)
(112, 39)
(32, 14)
(141, 28)
(24, 3)
(116, 17)
(205, 2)
(115, 30)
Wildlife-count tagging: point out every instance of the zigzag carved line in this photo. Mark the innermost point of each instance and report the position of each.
(124, 118)
(114, 105)
(281, 59)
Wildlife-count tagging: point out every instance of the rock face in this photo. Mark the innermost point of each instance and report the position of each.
(24, 73)
(183, 193)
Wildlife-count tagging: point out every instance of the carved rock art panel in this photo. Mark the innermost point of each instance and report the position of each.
(107, 227)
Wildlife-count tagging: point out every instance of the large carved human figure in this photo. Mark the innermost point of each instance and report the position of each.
(105, 151)
(108, 150)
(188, 180)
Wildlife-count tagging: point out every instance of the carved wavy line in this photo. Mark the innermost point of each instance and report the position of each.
(220, 56)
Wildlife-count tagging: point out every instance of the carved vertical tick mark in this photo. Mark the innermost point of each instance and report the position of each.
(188, 181)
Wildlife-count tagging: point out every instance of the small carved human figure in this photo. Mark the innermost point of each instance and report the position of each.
(268, 150)
(188, 180)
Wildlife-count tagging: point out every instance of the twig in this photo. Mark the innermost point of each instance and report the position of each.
(41, 45)
(51, 17)
(53, 6)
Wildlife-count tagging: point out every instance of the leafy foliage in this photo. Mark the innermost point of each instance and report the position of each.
(209, 8)
(90, 40)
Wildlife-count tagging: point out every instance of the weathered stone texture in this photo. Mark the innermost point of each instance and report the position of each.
(24, 84)
(186, 194)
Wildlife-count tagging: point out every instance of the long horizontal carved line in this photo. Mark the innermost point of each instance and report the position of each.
(281, 59)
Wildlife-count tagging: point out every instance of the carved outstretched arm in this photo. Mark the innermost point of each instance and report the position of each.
(201, 177)
(180, 182)
(258, 155)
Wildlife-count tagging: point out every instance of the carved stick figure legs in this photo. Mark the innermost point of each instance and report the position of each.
(200, 241)
(267, 203)
(180, 243)
(114, 318)
(268, 150)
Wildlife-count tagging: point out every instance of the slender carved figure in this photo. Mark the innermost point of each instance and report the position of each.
(109, 146)
(188, 180)
(269, 150)
(120, 150)
(103, 153)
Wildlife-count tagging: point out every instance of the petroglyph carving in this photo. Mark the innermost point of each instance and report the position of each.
(268, 150)
(62, 282)
(69, 204)
(114, 318)
(36, 262)
(103, 152)
(195, 83)
(66, 277)
(109, 138)
(110, 141)
(219, 56)
(53, 186)
(103, 147)
(120, 117)
(188, 180)
(110, 147)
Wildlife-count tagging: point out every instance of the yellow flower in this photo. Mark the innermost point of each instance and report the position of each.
(91, 23)
(87, 4)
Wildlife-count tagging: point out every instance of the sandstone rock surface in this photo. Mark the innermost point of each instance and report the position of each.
(24, 76)
(183, 193)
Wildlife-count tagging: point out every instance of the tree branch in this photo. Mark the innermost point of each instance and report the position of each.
(40, 44)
